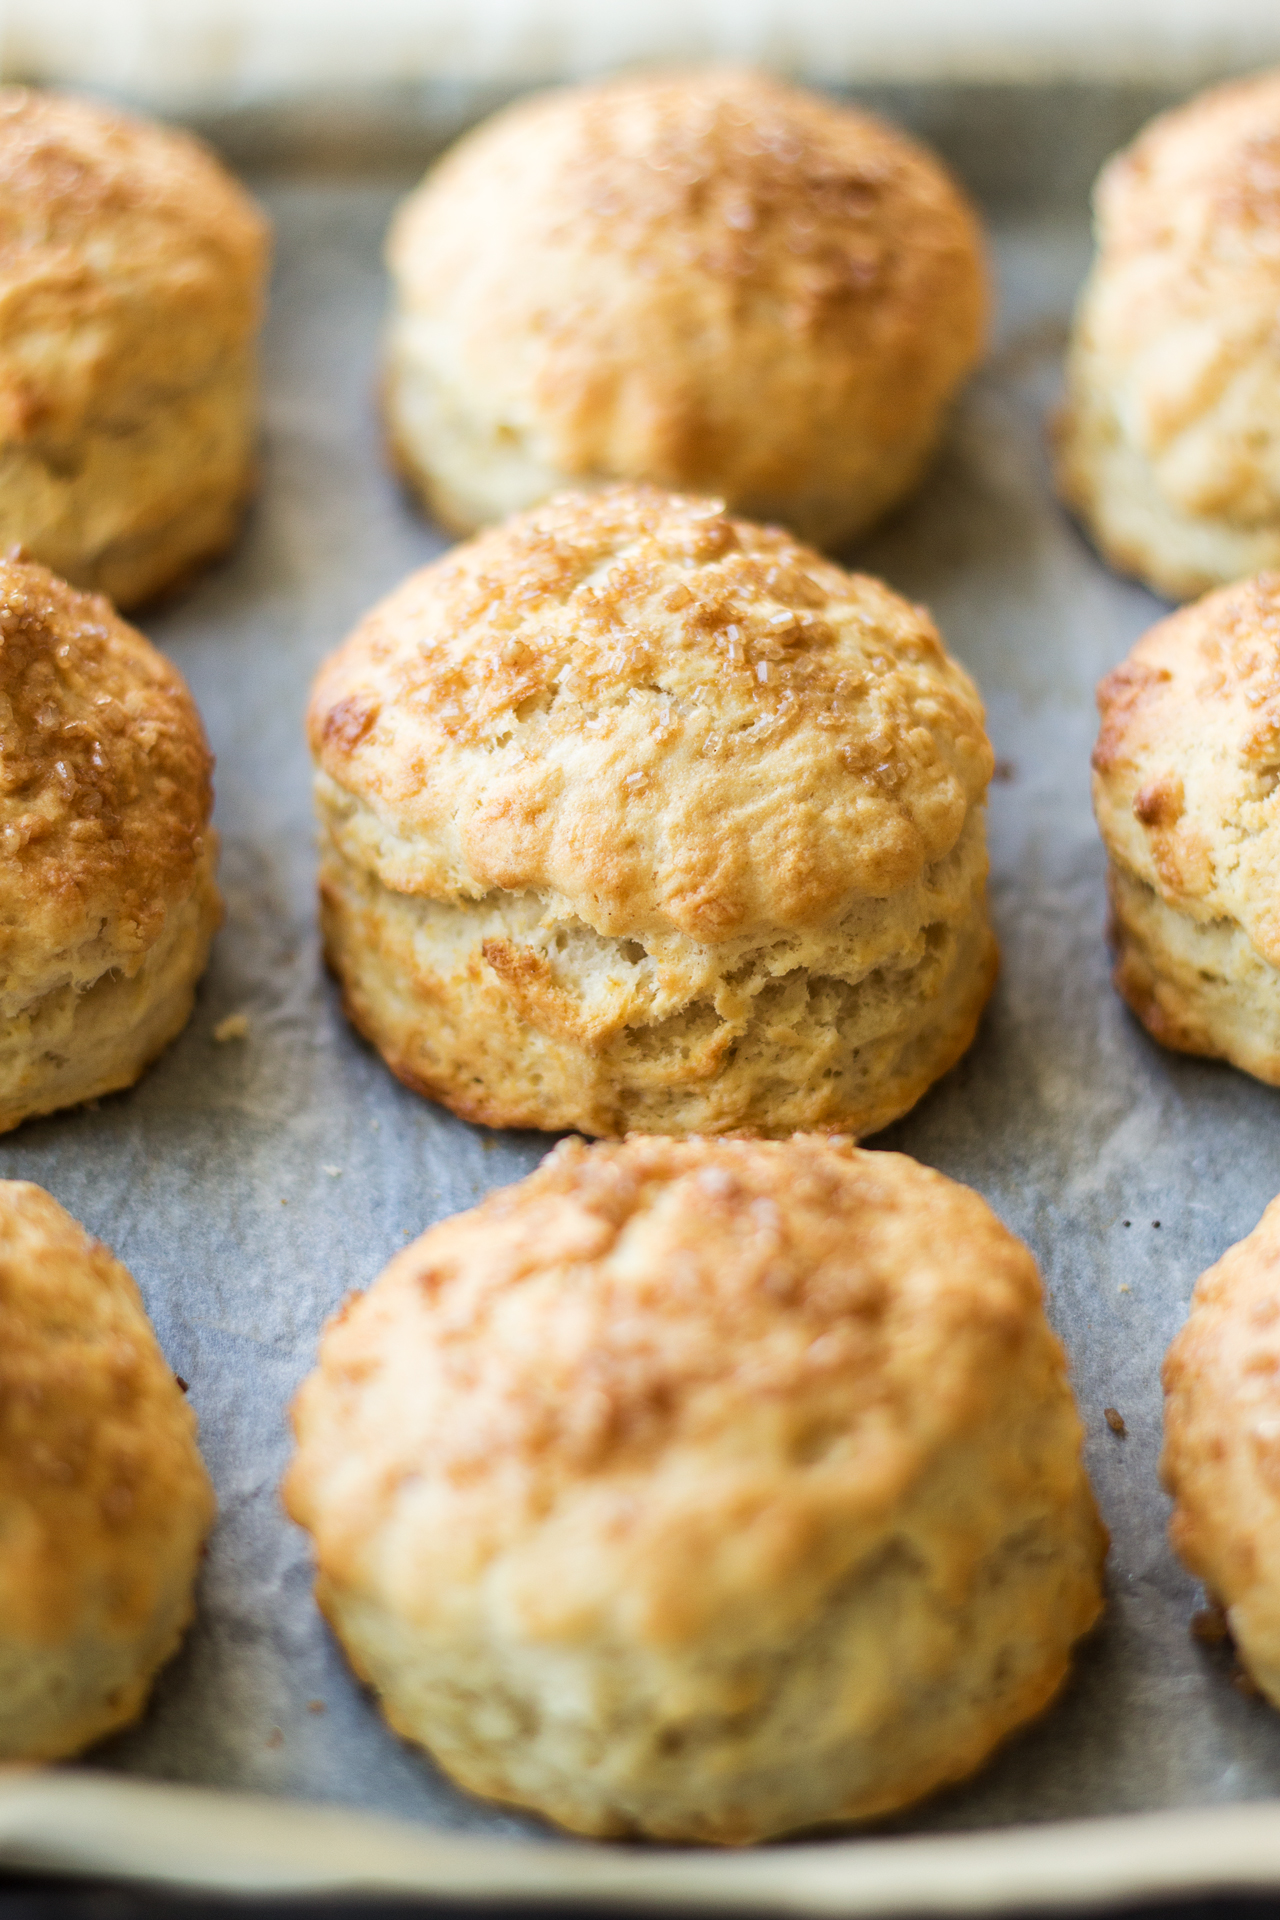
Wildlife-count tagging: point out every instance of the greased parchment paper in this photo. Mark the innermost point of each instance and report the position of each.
(251, 1182)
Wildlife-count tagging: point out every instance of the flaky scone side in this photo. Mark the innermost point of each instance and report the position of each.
(1221, 1459)
(1168, 445)
(1185, 791)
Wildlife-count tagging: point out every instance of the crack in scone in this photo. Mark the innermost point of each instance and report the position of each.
(499, 998)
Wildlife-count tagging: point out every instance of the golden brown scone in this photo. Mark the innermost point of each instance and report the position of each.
(638, 817)
(107, 894)
(1185, 792)
(1169, 444)
(104, 1500)
(704, 280)
(132, 273)
(1221, 1458)
(703, 1489)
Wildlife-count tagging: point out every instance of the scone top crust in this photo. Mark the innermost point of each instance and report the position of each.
(105, 790)
(1182, 304)
(689, 277)
(101, 1488)
(129, 258)
(658, 717)
(1201, 181)
(1187, 764)
(661, 1356)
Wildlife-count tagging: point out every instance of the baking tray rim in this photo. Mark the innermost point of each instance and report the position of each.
(79, 1823)
(82, 1822)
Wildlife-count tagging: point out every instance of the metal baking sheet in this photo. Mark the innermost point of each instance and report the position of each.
(250, 1183)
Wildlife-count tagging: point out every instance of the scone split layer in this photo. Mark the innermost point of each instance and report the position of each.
(703, 1489)
(132, 279)
(638, 816)
(1221, 1459)
(1186, 794)
(1169, 442)
(706, 281)
(104, 1501)
(107, 894)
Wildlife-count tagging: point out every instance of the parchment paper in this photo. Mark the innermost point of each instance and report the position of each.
(250, 1184)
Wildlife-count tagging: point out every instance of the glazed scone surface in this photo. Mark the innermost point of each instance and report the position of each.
(707, 281)
(1221, 1459)
(132, 273)
(1185, 791)
(104, 1500)
(635, 815)
(703, 1489)
(107, 895)
(1170, 442)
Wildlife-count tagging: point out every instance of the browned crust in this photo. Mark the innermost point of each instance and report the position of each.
(704, 280)
(1166, 446)
(125, 227)
(102, 1490)
(132, 285)
(1185, 777)
(105, 779)
(674, 719)
(1221, 1458)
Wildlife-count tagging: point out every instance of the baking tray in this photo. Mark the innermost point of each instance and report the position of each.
(250, 1183)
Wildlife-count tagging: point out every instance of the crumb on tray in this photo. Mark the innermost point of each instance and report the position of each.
(1209, 1626)
(234, 1027)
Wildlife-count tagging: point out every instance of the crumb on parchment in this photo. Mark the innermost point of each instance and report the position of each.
(1115, 1420)
(234, 1027)
(1209, 1626)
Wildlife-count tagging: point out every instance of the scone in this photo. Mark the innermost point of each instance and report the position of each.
(638, 817)
(703, 1489)
(706, 281)
(1221, 1458)
(1184, 787)
(132, 273)
(1169, 443)
(104, 1500)
(107, 894)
